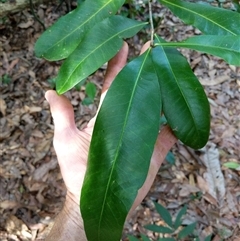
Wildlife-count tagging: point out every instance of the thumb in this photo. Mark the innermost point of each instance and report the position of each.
(61, 110)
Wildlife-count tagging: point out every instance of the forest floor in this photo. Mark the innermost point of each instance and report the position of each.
(31, 187)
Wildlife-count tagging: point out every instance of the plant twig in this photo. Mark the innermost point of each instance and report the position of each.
(151, 21)
(35, 16)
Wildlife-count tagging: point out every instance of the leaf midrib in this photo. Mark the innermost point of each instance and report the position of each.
(182, 44)
(120, 141)
(204, 17)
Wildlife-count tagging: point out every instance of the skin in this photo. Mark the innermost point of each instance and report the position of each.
(72, 146)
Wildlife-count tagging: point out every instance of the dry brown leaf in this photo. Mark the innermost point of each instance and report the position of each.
(202, 184)
(231, 202)
(32, 109)
(41, 171)
(3, 106)
(42, 149)
(13, 63)
(214, 176)
(8, 204)
(188, 189)
(216, 81)
(26, 24)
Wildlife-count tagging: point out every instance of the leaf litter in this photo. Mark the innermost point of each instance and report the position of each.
(31, 187)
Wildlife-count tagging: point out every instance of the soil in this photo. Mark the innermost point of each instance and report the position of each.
(32, 191)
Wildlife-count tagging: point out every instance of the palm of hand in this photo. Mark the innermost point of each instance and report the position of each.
(72, 145)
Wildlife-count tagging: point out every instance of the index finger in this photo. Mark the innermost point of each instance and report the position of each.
(114, 66)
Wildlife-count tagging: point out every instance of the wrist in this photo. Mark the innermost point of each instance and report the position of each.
(68, 224)
(71, 210)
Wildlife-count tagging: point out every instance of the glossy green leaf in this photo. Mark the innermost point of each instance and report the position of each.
(187, 230)
(180, 214)
(210, 20)
(158, 229)
(123, 140)
(185, 104)
(60, 40)
(225, 47)
(164, 213)
(100, 44)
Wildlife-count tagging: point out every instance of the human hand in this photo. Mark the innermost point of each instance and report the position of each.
(72, 145)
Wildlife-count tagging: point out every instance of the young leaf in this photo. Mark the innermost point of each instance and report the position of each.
(225, 47)
(165, 215)
(100, 44)
(158, 229)
(91, 90)
(59, 41)
(121, 148)
(178, 220)
(210, 20)
(187, 230)
(185, 104)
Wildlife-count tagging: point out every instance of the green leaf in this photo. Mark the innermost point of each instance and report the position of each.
(170, 158)
(208, 238)
(123, 140)
(100, 44)
(164, 213)
(87, 101)
(187, 230)
(225, 47)
(158, 229)
(236, 5)
(91, 90)
(233, 165)
(145, 238)
(185, 104)
(166, 239)
(59, 41)
(210, 20)
(131, 238)
(178, 220)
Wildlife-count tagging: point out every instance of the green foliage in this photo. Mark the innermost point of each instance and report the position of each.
(60, 40)
(128, 128)
(232, 165)
(175, 228)
(226, 47)
(5, 79)
(94, 50)
(170, 158)
(91, 91)
(127, 125)
(208, 19)
(185, 107)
